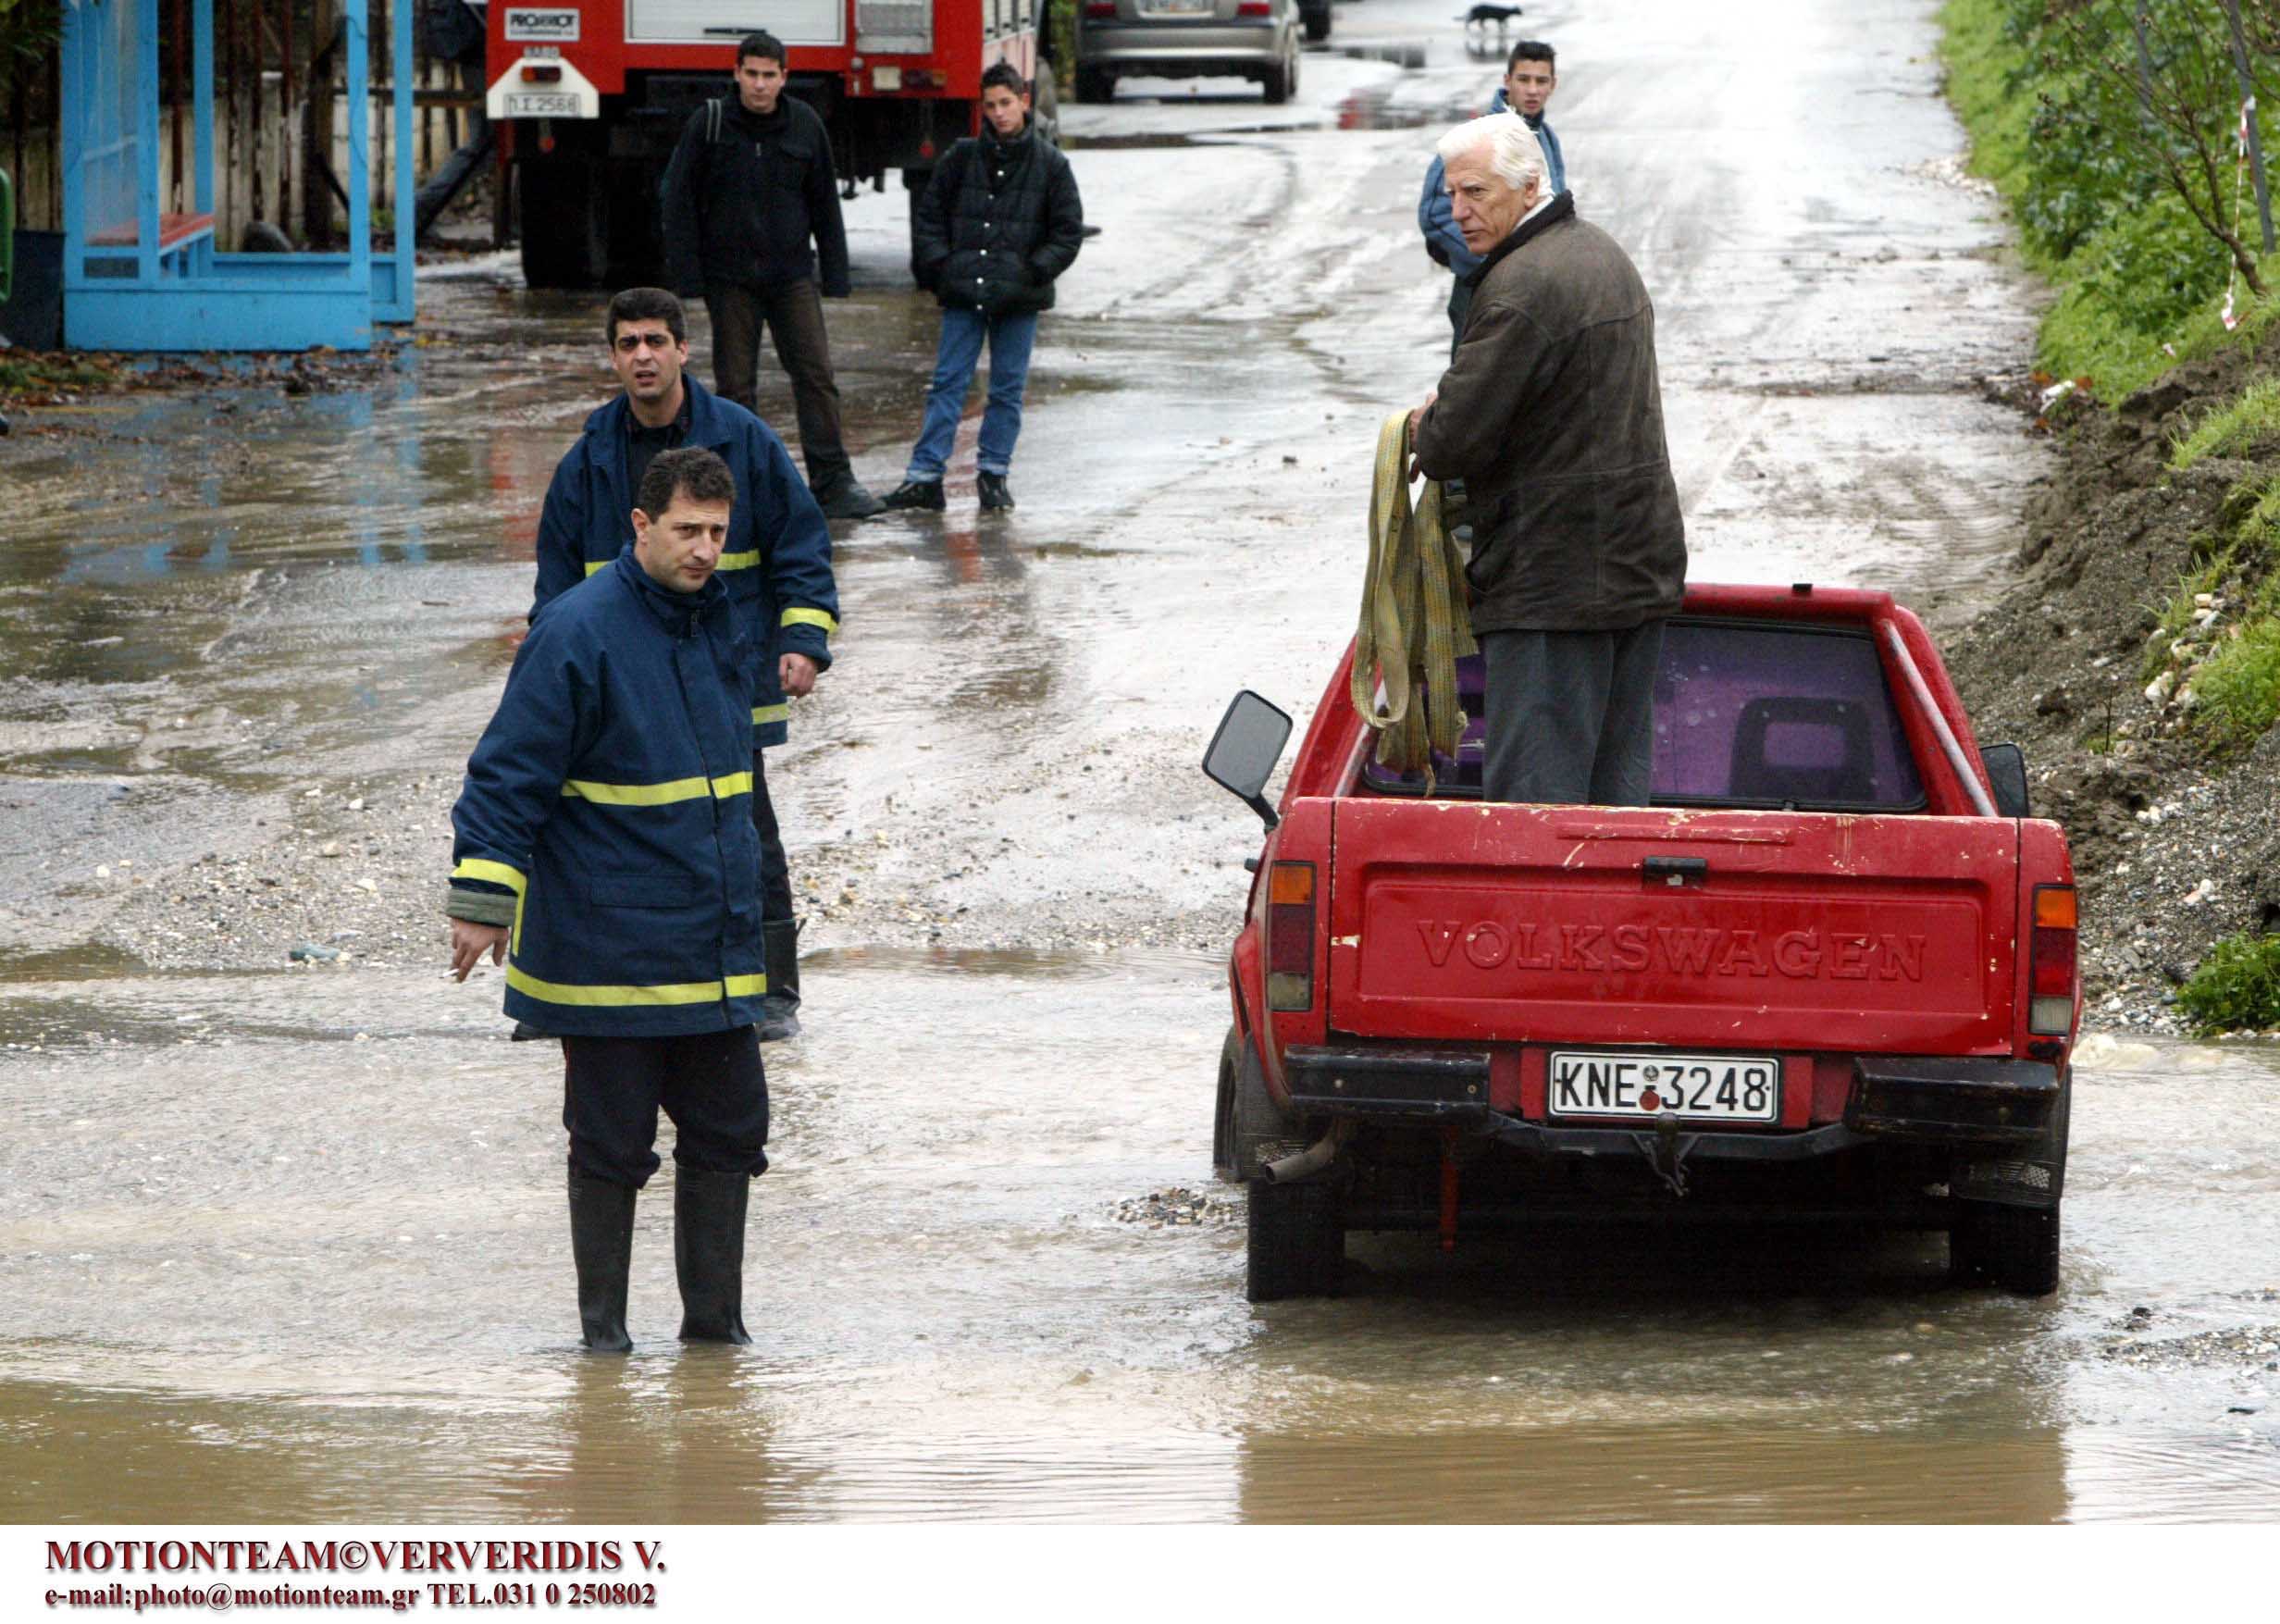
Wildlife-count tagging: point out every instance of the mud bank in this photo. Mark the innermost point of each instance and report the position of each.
(2087, 661)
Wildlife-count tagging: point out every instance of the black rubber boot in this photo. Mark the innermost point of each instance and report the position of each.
(779, 1011)
(708, 1252)
(996, 495)
(848, 499)
(921, 495)
(601, 1245)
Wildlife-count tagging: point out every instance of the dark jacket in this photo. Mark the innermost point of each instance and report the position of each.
(997, 224)
(1552, 413)
(777, 563)
(607, 813)
(741, 201)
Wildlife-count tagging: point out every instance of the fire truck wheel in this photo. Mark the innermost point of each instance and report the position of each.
(1096, 84)
(1296, 1241)
(565, 232)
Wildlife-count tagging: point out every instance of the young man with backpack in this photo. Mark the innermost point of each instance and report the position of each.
(749, 187)
(996, 225)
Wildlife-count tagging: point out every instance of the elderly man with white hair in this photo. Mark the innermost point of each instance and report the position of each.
(1552, 413)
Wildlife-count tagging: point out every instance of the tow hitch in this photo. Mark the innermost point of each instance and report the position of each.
(1666, 1152)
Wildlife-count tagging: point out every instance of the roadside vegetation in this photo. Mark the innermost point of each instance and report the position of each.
(2110, 129)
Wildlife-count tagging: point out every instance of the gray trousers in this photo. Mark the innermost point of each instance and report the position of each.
(1571, 715)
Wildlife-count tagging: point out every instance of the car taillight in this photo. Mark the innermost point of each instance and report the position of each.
(1256, 8)
(541, 74)
(1101, 10)
(2050, 962)
(1290, 937)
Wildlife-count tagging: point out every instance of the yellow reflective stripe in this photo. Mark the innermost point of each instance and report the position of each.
(740, 560)
(685, 992)
(811, 617)
(595, 563)
(763, 714)
(664, 794)
(498, 874)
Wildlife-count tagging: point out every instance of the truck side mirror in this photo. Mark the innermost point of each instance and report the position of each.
(1245, 750)
(2006, 776)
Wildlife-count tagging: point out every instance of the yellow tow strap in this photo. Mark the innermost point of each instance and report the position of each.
(1414, 624)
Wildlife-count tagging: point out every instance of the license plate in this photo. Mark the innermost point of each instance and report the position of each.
(1734, 1088)
(542, 105)
(1176, 8)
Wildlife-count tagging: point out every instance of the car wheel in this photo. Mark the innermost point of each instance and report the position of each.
(1223, 1111)
(1257, 1131)
(1278, 83)
(1095, 84)
(1318, 21)
(1296, 1241)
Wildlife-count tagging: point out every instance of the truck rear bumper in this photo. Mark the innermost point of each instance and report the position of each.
(1898, 1098)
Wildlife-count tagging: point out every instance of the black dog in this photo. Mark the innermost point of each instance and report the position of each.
(1480, 16)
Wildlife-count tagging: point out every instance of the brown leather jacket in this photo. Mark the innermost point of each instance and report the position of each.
(1552, 413)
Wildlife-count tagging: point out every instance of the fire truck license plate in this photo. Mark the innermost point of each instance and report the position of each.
(1726, 1087)
(542, 105)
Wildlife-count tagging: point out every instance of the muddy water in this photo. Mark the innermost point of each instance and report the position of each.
(288, 1242)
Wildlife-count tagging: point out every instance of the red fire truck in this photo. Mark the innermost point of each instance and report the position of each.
(589, 96)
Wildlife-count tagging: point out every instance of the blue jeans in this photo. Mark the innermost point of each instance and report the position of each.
(1011, 337)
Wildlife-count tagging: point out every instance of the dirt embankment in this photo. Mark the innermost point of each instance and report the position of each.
(2088, 661)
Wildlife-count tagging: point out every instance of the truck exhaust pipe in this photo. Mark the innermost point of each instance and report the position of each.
(1314, 1159)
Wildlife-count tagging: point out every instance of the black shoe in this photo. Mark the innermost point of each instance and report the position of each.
(995, 495)
(779, 1011)
(917, 494)
(708, 1252)
(601, 1245)
(848, 499)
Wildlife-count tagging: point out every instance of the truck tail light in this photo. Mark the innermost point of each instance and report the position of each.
(1290, 937)
(924, 79)
(541, 73)
(2050, 962)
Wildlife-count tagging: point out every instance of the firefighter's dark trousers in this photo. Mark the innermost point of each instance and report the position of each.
(711, 1084)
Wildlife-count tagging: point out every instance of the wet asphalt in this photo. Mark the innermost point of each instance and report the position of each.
(285, 1243)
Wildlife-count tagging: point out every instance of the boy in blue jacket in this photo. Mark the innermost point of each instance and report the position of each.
(605, 852)
(777, 563)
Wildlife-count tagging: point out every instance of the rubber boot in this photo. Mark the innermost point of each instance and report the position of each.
(779, 1011)
(708, 1252)
(601, 1245)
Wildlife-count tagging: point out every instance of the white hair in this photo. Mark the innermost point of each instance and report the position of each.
(1514, 153)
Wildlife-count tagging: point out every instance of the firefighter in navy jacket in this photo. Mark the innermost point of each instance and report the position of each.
(776, 563)
(606, 850)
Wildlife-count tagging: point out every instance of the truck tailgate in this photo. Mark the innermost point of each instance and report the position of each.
(1725, 929)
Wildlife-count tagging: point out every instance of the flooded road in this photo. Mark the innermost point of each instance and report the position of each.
(285, 1241)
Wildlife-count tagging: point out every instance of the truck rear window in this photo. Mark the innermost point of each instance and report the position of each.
(1747, 713)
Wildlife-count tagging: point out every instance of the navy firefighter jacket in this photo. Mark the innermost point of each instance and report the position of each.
(777, 561)
(610, 801)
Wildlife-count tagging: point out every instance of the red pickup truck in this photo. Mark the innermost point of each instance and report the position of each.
(1829, 973)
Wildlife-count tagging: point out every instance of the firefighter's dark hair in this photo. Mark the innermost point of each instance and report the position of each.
(1005, 73)
(691, 471)
(649, 305)
(762, 44)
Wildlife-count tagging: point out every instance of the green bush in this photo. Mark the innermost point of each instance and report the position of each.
(2237, 985)
(2251, 417)
(2238, 690)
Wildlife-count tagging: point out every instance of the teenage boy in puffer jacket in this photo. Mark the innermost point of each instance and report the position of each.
(998, 224)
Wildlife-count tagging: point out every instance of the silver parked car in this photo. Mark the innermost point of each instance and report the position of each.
(1184, 39)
